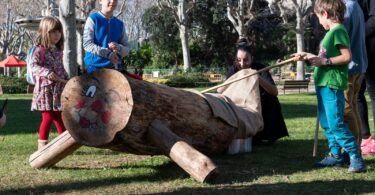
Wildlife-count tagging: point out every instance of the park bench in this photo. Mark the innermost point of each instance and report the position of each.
(215, 78)
(295, 84)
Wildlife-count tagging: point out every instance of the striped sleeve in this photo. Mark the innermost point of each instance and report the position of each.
(88, 40)
(124, 44)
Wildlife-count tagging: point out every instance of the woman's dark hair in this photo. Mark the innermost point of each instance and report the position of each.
(244, 45)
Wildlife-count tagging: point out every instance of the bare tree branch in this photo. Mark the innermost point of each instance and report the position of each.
(122, 8)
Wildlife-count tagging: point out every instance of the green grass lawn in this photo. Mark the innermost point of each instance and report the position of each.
(282, 168)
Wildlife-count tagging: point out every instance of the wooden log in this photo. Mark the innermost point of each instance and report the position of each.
(108, 110)
(192, 161)
(59, 148)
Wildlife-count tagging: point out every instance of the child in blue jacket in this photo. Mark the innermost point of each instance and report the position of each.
(104, 39)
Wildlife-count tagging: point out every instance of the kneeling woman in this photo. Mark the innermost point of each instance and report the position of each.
(274, 125)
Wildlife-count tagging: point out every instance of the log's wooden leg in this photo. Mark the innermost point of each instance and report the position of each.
(59, 148)
(199, 166)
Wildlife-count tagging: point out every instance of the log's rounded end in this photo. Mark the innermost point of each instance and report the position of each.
(96, 106)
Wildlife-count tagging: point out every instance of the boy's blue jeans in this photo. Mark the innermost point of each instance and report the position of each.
(331, 104)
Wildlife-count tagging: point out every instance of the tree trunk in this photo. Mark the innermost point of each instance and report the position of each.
(80, 52)
(300, 36)
(185, 47)
(108, 110)
(184, 34)
(68, 20)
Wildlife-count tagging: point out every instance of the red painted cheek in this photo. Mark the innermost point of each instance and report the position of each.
(84, 122)
(96, 106)
(80, 104)
(106, 116)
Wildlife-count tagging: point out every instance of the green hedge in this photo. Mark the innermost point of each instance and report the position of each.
(13, 85)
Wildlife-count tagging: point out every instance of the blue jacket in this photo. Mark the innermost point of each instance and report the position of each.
(98, 33)
(354, 22)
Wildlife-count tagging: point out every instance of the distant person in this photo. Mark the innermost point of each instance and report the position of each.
(331, 79)
(48, 75)
(274, 125)
(104, 39)
(3, 117)
(354, 23)
(368, 142)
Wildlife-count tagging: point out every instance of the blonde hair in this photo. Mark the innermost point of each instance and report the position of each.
(334, 8)
(46, 25)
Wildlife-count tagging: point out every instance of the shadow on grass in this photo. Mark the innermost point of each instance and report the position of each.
(20, 120)
(170, 165)
(350, 186)
(296, 110)
(282, 159)
(170, 171)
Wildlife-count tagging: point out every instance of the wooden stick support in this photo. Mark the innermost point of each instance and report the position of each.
(191, 160)
(56, 150)
(315, 147)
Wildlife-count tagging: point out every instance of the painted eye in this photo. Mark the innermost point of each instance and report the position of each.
(89, 91)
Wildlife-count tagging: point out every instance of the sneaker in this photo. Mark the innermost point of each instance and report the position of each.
(357, 165)
(368, 146)
(330, 160)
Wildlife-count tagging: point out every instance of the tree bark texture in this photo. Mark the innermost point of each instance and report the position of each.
(53, 152)
(300, 37)
(184, 36)
(68, 20)
(192, 161)
(109, 110)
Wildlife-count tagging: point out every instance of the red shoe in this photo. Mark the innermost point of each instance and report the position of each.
(368, 146)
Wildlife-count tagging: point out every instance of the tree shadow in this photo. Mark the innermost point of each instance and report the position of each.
(351, 186)
(20, 120)
(283, 158)
(161, 167)
(68, 187)
(296, 110)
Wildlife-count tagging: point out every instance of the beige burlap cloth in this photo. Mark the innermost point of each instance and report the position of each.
(238, 104)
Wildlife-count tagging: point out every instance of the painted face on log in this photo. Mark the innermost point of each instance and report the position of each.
(93, 112)
(96, 106)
